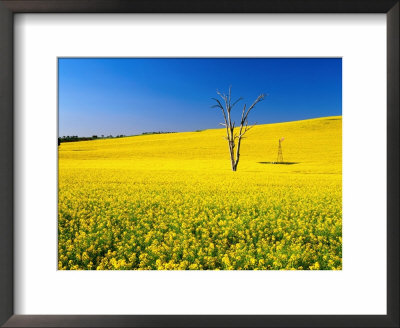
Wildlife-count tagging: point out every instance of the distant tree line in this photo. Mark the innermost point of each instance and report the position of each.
(157, 132)
(94, 137)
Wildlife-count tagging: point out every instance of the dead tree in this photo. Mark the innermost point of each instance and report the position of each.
(234, 137)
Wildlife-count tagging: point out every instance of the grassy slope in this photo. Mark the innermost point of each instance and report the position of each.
(316, 145)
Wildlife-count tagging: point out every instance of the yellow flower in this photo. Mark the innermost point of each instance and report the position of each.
(171, 202)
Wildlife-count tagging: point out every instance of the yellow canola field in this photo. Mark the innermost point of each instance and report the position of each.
(171, 201)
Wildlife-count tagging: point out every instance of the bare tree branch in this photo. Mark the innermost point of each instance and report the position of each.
(223, 96)
(259, 98)
(247, 128)
(236, 102)
(231, 136)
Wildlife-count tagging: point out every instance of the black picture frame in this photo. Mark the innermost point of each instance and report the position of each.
(10, 7)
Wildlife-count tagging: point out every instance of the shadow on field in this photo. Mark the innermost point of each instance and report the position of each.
(280, 163)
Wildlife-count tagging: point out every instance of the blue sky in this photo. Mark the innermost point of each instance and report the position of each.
(134, 95)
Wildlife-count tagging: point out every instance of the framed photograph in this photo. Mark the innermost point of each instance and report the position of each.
(199, 163)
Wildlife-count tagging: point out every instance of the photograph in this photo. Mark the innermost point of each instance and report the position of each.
(199, 163)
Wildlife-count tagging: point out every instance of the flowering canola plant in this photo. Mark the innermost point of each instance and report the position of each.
(171, 201)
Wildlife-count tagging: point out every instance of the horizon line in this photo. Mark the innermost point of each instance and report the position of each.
(166, 132)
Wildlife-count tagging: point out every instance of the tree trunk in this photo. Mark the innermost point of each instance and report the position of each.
(232, 154)
(230, 127)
